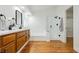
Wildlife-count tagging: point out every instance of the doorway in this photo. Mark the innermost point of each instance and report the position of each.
(69, 27)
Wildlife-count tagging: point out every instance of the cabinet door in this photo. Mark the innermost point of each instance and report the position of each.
(20, 42)
(0, 50)
(10, 48)
(8, 38)
(20, 34)
(0, 44)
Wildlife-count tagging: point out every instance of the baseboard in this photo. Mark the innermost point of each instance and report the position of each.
(22, 47)
(40, 40)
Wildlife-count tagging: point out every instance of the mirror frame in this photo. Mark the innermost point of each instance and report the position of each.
(16, 18)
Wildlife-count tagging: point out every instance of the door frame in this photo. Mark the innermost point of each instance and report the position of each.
(66, 28)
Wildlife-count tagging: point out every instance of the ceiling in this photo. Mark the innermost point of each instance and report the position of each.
(36, 8)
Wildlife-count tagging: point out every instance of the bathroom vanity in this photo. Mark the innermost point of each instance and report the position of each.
(13, 41)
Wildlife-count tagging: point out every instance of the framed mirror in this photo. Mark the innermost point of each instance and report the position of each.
(18, 17)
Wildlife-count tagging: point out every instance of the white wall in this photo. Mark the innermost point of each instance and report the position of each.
(38, 25)
(25, 20)
(61, 11)
(26, 15)
(76, 28)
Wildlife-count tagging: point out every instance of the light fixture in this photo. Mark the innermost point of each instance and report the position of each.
(16, 8)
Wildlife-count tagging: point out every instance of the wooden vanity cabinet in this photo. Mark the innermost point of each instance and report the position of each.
(8, 43)
(12, 43)
(0, 44)
(22, 37)
(20, 42)
(10, 48)
(20, 34)
(8, 38)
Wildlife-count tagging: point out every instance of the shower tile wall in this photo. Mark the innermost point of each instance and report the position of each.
(53, 28)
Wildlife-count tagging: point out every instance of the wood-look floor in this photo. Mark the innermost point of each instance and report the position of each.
(54, 46)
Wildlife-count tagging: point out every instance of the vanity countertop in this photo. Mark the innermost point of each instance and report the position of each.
(11, 31)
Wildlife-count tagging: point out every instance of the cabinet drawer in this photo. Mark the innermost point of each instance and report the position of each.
(10, 48)
(0, 50)
(7, 39)
(19, 34)
(0, 42)
(20, 42)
